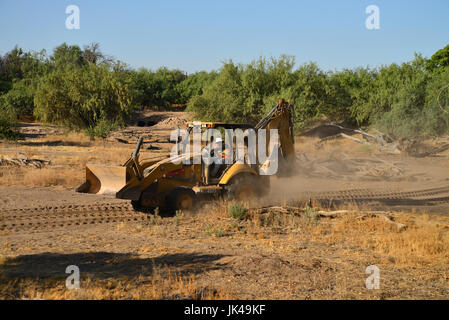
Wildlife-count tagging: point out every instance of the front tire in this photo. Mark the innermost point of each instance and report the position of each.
(183, 199)
(137, 206)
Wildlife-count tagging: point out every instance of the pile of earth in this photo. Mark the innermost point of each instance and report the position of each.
(171, 122)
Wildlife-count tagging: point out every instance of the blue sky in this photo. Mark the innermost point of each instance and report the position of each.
(198, 34)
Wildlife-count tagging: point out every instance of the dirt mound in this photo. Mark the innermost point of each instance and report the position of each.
(153, 126)
(171, 122)
(160, 120)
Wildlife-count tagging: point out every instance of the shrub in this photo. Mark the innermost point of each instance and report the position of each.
(19, 100)
(417, 111)
(8, 130)
(158, 88)
(91, 98)
(193, 85)
(400, 99)
(439, 60)
(237, 93)
(86, 90)
(102, 129)
(311, 217)
(237, 211)
(245, 93)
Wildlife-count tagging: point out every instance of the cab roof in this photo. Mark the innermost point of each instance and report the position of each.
(224, 125)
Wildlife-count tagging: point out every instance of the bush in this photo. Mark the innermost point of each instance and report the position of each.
(7, 126)
(237, 211)
(311, 217)
(158, 88)
(237, 93)
(86, 90)
(245, 93)
(91, 98)
(439, 60)
(415, 110)
(193, 85)
(436, 111)
(102, 129)
(400, 99)
(19, 100)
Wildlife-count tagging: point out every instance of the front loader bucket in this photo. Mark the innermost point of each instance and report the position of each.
(103, 179)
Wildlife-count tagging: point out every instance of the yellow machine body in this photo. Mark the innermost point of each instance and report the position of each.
(151, 184)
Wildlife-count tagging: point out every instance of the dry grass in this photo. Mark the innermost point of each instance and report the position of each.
(45, 177)
(68, 154)
(424, 243)
(421, 251)
(274, 255)
(164, 283)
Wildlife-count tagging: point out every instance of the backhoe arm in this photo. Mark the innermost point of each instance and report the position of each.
(280, 118)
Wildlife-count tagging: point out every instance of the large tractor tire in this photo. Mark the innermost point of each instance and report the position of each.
(146, 202)
(245, 187)
(183, 199)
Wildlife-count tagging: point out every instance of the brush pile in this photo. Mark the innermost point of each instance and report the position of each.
(385, 143)
(23, 161)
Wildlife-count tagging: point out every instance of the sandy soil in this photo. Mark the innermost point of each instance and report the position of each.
(45, 229)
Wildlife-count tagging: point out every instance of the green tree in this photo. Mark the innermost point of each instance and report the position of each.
(21, 72)
(11, 67)
(8, 129)
(439, 59)
(91, 98)
(158, 88)
(65, 55)
(93, 54)
(405, 113)
(193, 85)
(223, 99)
(436, 108)
(19, 100)
(238, 92)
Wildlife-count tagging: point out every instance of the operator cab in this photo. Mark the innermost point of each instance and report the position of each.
(213, 172)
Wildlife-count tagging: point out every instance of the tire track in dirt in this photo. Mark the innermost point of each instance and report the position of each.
(367, 194)
(44, 226)
(48, 211)
(44, 218)
(433, 200)
(51, 217)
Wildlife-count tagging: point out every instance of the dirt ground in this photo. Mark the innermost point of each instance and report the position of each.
(206, 254)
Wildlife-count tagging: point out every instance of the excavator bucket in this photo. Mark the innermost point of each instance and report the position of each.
(103, 179)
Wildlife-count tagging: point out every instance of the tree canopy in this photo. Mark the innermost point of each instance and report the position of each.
(84, 89)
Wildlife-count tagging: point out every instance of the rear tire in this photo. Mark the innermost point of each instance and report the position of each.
(245, 187)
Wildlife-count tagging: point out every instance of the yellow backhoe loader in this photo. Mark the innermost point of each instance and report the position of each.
(172, 185)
